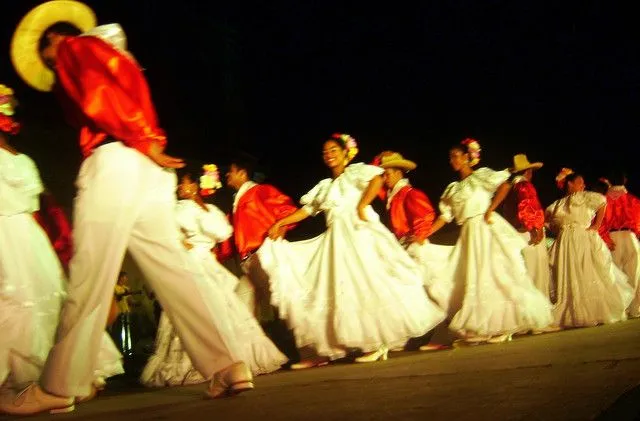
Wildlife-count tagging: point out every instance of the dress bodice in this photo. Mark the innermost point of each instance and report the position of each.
(20, 184)
(577, 209)
(202, 229)
(471, 196)
(339, 197)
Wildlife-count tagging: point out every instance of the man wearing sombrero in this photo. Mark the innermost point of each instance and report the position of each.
(410, 210)
(522, 208)
(411, 216)
(125, 201)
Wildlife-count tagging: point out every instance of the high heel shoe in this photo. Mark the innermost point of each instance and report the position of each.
(433, 347)
(380, 355)
(315, 362)
(500, 339)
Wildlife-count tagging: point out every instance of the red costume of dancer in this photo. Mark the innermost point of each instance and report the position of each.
(622, 214)
(113, 100)
(53, 220)
(411, 214)
(522, 207)
(256, 211)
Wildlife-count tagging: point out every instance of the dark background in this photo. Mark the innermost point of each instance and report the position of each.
(558, 81)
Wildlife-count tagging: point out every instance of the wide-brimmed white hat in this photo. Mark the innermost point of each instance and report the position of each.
(26, 38)
(521, 163)
(395, 160)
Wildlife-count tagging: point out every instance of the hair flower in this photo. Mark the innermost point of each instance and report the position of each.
(210, 180)
(562, 175)
(7, 101)
(350, 144)
(474, 149)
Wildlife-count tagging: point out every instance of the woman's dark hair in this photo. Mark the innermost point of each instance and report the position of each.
(571, 178)
(61, 28)
(338, 140)
(600, 186)
(193, 170)
(460, 147)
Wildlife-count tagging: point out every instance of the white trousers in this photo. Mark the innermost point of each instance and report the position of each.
(536, 260)
(627, 257)
(125, 201)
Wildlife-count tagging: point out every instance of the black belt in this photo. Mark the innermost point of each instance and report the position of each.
(106, 142)
(247, 255)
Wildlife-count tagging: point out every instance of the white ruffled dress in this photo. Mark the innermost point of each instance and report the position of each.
(353, 286)
(170, 365)
(32, 281)
(483, 283)
(591, 289)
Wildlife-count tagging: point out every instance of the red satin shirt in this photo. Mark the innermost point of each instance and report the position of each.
(623, 213)
(522, 207)
(411, 213)
(109, 95)
(257, 210)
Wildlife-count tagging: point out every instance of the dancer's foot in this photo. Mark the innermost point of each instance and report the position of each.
(500, 339)
(92, 394)
(477, 339)
(235, 379)
(98, 385)
(433, 347)
(34, 400)
(310, 363)
(380, 355)
(548, 329)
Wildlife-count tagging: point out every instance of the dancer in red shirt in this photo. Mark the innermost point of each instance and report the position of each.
(620, 230)
(126, 200)
(522, 209)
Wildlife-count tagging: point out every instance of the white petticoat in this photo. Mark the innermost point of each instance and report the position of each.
(353, 286)
(171, 366)
(484, 285)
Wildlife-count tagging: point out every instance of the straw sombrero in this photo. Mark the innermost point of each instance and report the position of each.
(395, 160)
(24, 45)
(521, 163)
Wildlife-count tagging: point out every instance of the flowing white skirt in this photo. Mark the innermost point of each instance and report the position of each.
(171, 366)
(536, 260)
(484, 285)
(353, 286)
(590, 289)
(626, 256)
(32, 291)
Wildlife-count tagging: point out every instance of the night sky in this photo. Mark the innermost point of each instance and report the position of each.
(558, 81)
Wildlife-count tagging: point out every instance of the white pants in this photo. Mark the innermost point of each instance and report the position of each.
(125, 201)
(536, 260)
(627, 257)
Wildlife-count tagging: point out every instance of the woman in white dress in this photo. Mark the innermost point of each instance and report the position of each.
(204, 226)
(353, 286)
(484, 285)
(591, 290)
(32, 281)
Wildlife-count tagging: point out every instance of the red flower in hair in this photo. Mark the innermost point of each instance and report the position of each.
(473, 146)
(9, 125)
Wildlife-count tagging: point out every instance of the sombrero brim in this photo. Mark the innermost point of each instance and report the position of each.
(24, 45)
(532, 165)
(403, 164)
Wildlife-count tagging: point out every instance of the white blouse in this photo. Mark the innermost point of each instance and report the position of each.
(577, 209)
(20, 184)
(472, 196)
(339, 197)
(202, 229)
